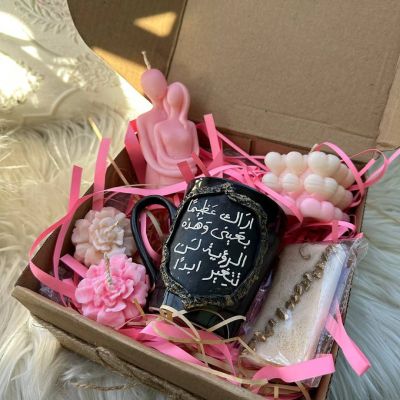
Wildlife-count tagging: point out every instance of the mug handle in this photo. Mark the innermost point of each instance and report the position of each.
(136, 232)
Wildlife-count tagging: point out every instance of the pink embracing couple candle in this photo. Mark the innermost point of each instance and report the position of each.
(166, 136)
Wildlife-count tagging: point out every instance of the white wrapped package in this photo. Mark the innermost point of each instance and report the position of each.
(291, 320)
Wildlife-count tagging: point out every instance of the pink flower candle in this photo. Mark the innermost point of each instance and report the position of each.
(108, 291)
(102, 232)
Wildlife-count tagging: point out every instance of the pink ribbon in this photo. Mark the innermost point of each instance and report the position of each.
(354, 356)
(73, 199)
(43, 277)
(200, 164)
(150, 339)
(75, 186)
(237, 171)
(346, 159)
(216, 148)
(134, 151)
(219, 350)
(100, 174)
(186, 171)
(323, 365)
(74, 265)
(210, 164)
(212, 136)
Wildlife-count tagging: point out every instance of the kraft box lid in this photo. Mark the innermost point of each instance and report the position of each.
(295, 72)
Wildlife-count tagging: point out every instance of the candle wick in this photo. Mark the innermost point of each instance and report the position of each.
(111, 227)
(108, 270)
(313, 148)
(146, 60)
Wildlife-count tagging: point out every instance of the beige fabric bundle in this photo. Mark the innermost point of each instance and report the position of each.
(296, 338)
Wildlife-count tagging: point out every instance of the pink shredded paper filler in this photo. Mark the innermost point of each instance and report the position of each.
(244, 168)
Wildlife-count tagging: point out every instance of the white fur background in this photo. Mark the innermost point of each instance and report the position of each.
(48, 74)
(35, 166)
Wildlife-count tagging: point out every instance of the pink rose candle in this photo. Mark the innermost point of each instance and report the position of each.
(108, 291)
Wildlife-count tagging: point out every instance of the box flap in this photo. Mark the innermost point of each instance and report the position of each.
(389, 130)
(295, 72)
(298, 72)
(119, 31)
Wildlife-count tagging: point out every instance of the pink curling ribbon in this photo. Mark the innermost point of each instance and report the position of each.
(216, 148)
(338, 231)
(75, 186)
(212, 135)
(320, 366)
(73, 198)
(134, 151)
(100, 174)
(54, 282)
(219, 349)
(74, 265)
(166, 347)
(46, 279)
(186, 171)
(244, 168)
(361, 185)
(346, 159)
(149, 337)
(200, 164)
(234, 171)
(354, 356)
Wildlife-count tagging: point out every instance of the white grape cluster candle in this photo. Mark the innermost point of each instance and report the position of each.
(316, 182)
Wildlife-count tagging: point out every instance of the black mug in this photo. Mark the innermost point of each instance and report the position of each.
(223, 240)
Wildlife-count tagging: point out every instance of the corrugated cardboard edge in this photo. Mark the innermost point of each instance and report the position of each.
(105, 358)
(175, 40)
(390, 124)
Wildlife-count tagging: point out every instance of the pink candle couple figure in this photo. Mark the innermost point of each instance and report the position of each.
(166, 136)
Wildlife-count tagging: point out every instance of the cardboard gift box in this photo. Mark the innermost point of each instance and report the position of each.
(277, 76)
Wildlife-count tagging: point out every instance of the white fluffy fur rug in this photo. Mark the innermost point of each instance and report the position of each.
(35, 167)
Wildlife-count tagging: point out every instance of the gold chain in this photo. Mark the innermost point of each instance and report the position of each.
(299, 289)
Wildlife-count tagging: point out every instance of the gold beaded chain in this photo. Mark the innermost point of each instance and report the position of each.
(299, 289)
